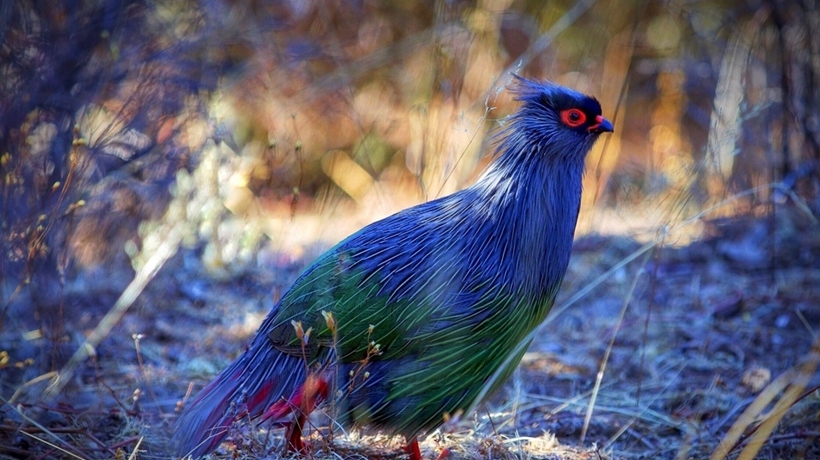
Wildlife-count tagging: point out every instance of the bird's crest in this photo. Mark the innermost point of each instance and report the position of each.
(553, 95)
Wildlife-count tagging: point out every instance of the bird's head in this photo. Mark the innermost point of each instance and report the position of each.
(554, 121)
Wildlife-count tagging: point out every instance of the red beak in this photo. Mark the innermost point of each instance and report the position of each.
(602, 125)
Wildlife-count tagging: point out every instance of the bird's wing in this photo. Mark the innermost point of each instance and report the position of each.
(371, 289)
(408, 300)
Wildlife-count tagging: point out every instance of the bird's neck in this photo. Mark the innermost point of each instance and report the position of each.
(533, 206)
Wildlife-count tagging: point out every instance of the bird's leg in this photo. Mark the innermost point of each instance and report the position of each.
(312, 392)
(412, 448)
(294, 434)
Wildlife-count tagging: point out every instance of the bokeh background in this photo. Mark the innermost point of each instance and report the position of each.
(231, 141)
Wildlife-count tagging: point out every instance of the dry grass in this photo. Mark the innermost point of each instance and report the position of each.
(676, 353)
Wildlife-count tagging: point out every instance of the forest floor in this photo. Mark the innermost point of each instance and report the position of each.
(688, 342)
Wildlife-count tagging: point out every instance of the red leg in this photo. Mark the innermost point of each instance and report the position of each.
(444, 454)
(412, 448)
(312, 392)
(294, 435)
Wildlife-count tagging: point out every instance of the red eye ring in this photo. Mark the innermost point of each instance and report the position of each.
(573, 117)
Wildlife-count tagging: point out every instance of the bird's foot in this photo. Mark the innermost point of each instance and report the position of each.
(412, 448)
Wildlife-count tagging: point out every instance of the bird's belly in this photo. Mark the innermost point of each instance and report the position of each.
(412, 396)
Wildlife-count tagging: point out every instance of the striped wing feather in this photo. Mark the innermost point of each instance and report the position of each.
(442, 327)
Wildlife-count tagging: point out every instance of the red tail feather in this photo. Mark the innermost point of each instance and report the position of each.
(312, 392)
(255, 385)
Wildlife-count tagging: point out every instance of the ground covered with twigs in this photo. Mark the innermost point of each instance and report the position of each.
(654, 351)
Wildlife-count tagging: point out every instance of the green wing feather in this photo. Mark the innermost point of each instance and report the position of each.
(443, 358)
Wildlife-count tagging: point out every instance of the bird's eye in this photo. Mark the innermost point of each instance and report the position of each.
(573, 117)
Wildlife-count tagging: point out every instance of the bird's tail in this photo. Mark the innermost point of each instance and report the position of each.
(261, 382)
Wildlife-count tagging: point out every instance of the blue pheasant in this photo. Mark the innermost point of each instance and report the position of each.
(423, 314)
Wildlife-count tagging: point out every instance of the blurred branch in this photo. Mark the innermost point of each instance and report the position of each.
(167, 248)
(344, 75)
(545, 40)
(725, 127)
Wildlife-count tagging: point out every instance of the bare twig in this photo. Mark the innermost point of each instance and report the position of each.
(608, 352)
(794, 382)
(147, 272)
